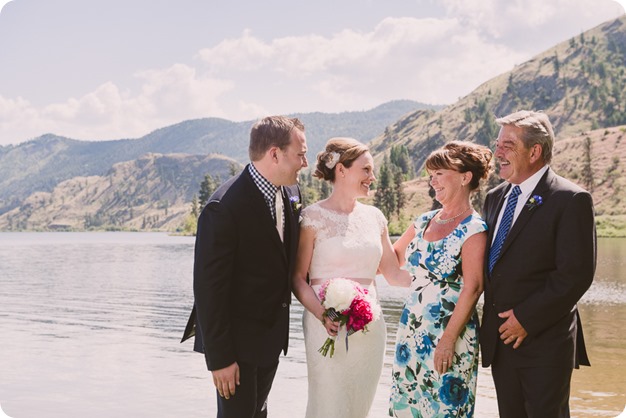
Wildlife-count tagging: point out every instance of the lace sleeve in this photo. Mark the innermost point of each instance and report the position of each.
(311, 218)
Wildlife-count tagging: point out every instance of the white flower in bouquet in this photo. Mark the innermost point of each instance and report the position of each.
(339, 294)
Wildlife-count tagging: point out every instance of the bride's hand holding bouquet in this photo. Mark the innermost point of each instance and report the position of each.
(346, 302)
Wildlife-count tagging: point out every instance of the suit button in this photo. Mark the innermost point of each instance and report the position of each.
(284, 304)
(493, 305)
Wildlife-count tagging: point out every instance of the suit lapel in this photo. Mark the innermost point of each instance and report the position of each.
(258, 205)
(275, 236)
(493, 206)
(291, 220)
(525, 214)
(287, 223)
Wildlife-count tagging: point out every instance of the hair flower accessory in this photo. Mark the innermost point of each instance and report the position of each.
(295, 203)
(334, 159)
(534, 201)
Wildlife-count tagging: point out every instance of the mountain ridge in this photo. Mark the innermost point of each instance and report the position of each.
(580, 83)
(149, 193)
(42, 163)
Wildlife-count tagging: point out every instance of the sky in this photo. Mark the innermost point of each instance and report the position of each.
(113, 69)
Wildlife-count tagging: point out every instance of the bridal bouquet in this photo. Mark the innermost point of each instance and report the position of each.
(347, 302)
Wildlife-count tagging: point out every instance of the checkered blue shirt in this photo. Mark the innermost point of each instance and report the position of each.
(267, 189)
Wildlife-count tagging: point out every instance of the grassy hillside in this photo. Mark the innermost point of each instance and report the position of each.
(39, 165)
(580, 84)
(57, 183)
(150, 193)
(595, 160)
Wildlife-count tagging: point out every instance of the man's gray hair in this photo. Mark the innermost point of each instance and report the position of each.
(536, 127)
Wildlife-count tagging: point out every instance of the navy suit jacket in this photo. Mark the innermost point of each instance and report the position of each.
(546, 265)
(242, 272)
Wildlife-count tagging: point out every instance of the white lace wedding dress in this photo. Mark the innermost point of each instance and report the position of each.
(349, 246)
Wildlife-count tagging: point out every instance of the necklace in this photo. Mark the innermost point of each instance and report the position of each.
(447, 221)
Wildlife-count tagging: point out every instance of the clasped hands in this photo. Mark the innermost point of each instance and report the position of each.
(511, 331)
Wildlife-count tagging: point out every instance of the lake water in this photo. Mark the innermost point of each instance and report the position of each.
(90, 325)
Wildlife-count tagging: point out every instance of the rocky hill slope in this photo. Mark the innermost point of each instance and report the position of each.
(41, 164)
(150, 193)
(580, 83)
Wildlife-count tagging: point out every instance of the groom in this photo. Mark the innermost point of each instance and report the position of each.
(541, 260)
(245, 248)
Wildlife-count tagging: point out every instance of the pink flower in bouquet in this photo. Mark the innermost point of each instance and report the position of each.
(349, 304)
(361, 314)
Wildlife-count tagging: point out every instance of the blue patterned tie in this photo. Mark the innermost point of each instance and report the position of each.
(503, 229)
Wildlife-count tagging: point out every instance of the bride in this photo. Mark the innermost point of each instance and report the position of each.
(341, 237)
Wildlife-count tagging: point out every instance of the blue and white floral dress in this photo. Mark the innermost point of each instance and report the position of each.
(417, 389)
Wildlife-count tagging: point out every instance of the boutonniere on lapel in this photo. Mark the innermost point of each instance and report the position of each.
(295, 203)
(534, 201)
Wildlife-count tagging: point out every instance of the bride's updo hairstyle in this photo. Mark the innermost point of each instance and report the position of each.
(337, 150)
(462, 156)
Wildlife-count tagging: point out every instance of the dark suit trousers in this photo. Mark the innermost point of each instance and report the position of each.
(530, 392)
(250, 400)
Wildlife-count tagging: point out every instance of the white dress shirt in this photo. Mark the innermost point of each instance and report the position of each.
(526, 187)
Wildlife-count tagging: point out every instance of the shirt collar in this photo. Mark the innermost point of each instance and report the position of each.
(264, 185)
(528, 185)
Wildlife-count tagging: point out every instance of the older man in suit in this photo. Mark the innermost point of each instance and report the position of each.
(540, 262)
(244, 257)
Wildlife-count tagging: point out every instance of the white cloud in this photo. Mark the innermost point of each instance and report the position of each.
(245, 53)
(165, 97)
(430, 59)
(180, 91)
(252, 110)
(529, 24)
(3, 3)
(424, 59)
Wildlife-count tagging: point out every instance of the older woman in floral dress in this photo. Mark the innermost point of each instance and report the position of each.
(436, 359)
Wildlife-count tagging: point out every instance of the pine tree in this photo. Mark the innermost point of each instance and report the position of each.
(195, 206)
(385, 197)
(557, 65)
(510, 87)
(207, 187)
(400, 197)
(488, 131)
(325, 190)
(399, 157)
